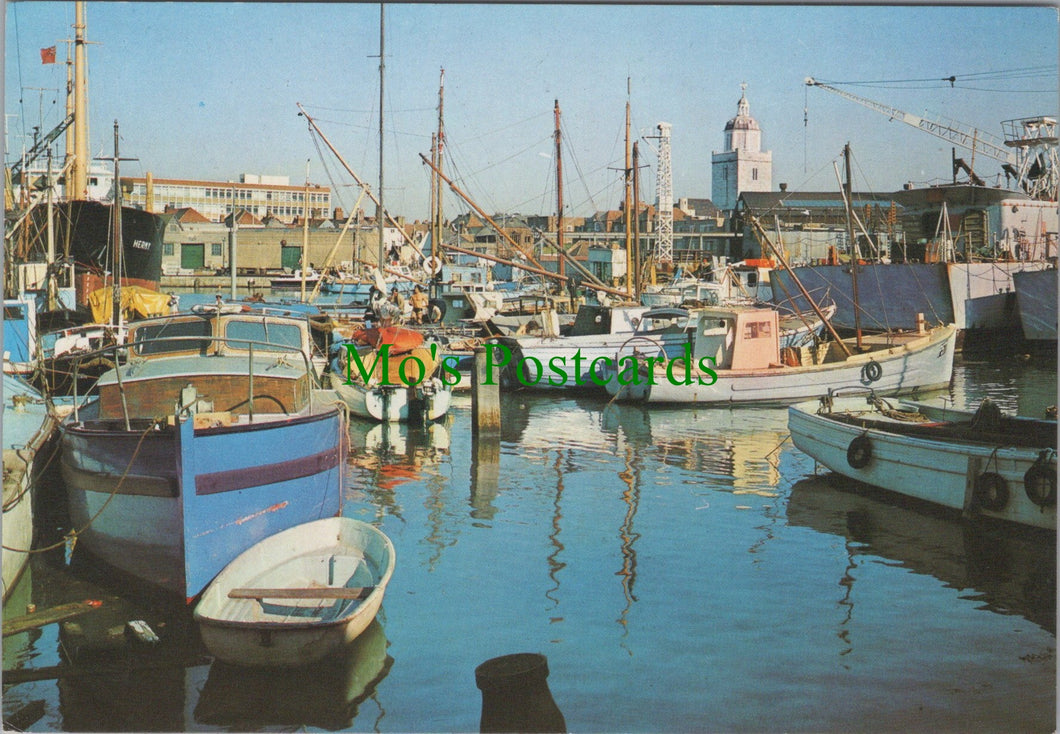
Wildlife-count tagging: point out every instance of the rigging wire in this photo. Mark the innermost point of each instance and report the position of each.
(18, 64)
(577, 165)
(335, 187)
(1025, 72)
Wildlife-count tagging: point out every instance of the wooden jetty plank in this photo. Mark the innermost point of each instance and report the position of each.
(46, 616)
(66, 670)
(310, 592)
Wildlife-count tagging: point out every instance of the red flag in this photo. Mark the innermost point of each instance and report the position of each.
(47, 55)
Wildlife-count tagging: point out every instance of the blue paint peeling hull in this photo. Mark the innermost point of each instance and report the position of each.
(193, 499)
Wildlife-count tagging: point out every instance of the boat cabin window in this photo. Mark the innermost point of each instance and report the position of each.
(15, 313)
(591, 320)
(752, 279)
(757, 330)
(162, 338)
(269, 337)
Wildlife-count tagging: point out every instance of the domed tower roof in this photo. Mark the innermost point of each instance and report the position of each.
(743, 119)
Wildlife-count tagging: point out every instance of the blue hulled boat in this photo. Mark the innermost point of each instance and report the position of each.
(213, 435)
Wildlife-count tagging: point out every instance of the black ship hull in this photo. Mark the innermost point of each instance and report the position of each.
(83, 235)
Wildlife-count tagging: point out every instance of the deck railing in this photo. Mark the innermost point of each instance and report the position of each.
(274, 351)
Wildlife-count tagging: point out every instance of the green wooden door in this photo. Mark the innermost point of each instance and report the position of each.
(289, 256)
(192, 256)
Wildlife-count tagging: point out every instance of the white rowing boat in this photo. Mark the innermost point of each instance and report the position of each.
(298, 595)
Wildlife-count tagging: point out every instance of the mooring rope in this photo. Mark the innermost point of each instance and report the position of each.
(72, 536)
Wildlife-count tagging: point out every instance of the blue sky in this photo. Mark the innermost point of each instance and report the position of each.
(209, 90)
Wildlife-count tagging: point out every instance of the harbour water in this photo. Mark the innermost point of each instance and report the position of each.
(682, 570)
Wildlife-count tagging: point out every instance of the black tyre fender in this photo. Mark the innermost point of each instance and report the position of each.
(859, 452)
(991, 491)
(871, 372)
(1040, 484)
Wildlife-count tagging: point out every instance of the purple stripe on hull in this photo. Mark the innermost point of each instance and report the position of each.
(283, 471)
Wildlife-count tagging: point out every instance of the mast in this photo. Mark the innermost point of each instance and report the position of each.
(305, 229)
(379, 203)
(78, 188)
(69, 138)
(52, 287)
(232, 246)
(636, 218)
(559, 194)
(853, 245)
(433, 219)
(117, 243)
(627, 205)
(436, 222)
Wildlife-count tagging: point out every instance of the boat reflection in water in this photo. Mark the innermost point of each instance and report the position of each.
(396, 453)
(734, 450)
(326, 695)
(133, 694)
(1011, 570)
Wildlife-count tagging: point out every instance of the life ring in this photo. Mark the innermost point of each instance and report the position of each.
(1040, 484)
(871, 372)
(991, 491)
(432, 265)
(859, 452)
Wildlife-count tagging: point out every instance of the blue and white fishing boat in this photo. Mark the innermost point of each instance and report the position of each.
(27, 424)
(213, 435)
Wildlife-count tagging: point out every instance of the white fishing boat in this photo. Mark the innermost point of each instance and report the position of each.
(567, 360)
(736, 359)
(680, 291)
(27, 425)
(392, 375)
(297, 596)
(982, 463)
(297, 279)
(747, 281)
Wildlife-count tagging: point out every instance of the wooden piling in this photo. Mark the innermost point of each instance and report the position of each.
(485, 396)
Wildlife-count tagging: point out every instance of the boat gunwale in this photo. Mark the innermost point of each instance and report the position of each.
(914, 346)
(389, 554)
(86, 428)
(980, 448)
(948, 431)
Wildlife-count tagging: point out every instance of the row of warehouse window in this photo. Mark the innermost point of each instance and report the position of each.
(246, 195)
